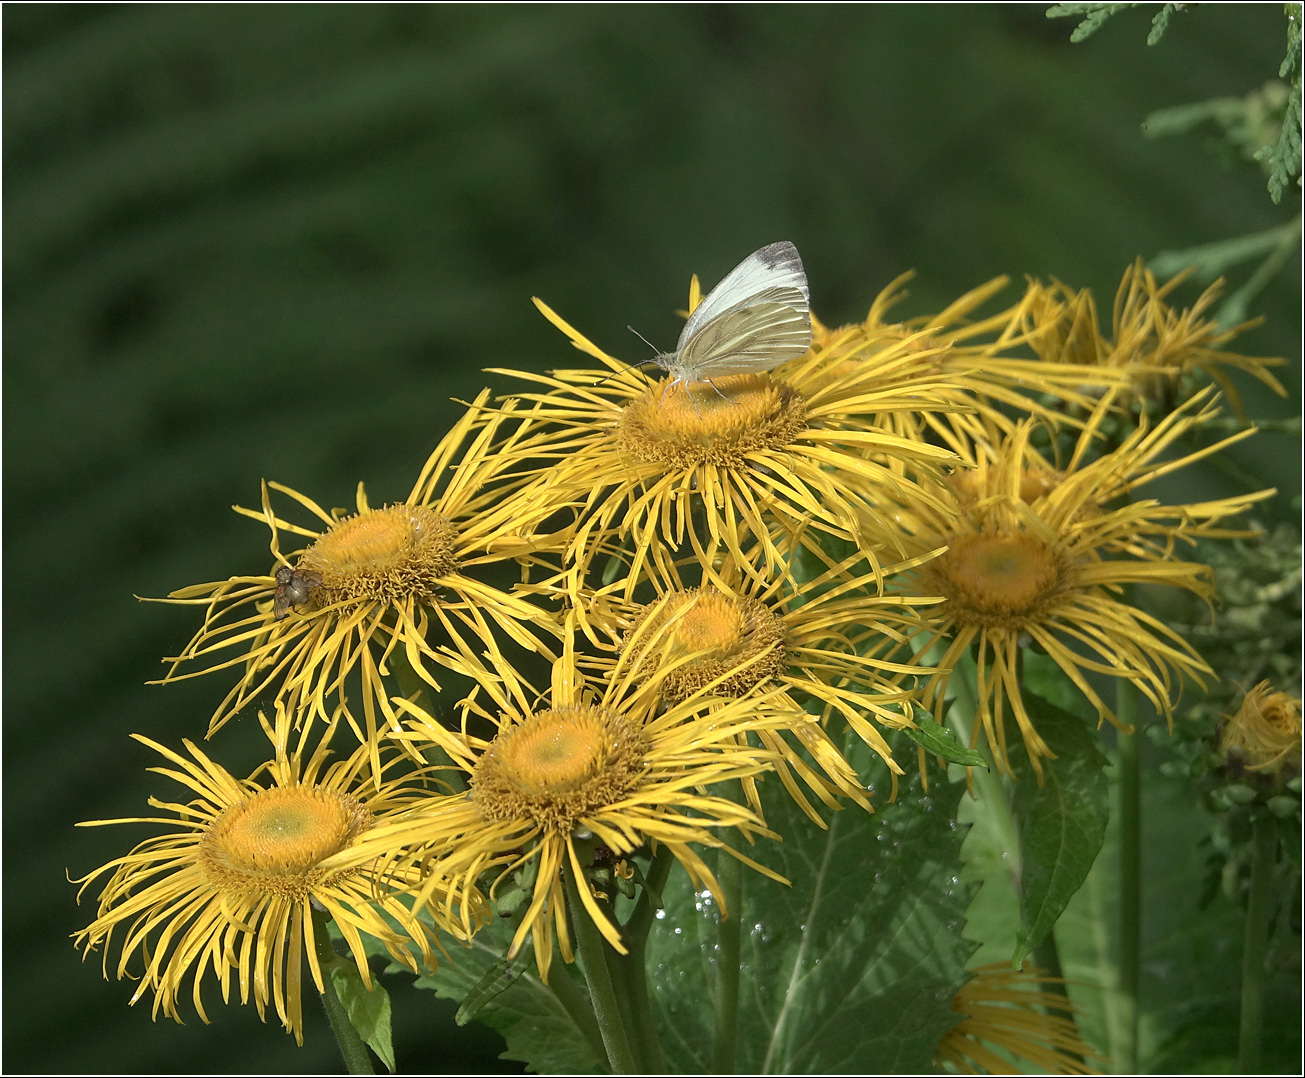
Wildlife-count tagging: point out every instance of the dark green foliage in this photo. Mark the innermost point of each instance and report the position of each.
(939, 741)
(1094, 16)
(273, 241)
(368, 1009)
(1062, 820)
(852, 968)
(525, 1011)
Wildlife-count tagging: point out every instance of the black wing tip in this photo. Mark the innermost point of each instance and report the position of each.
(781, 252)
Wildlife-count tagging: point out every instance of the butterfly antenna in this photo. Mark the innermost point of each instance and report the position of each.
(645, 341)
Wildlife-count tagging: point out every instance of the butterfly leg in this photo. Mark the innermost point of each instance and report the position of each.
(671, 385)
(718, 391)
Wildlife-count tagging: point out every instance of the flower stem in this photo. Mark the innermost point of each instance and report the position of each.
(352, 1048)
(988, 789)
(633, 968)
(602, 992)
(577, 1008)
(1264, 850)
(1130, 875)
(729, 872)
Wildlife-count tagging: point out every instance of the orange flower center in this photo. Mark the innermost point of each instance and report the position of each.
(388, 554)
(998, 580)
(558, 765)
(275, 840)
(718, 422)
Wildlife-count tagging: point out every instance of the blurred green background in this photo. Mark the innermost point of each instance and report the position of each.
(273, 241)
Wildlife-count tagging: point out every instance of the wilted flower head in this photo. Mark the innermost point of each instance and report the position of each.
(1150, 342)
(1265, 734)
(1008, 1021)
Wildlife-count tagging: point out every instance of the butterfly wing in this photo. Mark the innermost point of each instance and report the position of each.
(758, 317)
(755, 337)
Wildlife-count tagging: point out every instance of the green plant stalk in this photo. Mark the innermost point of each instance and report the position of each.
(986, 783)
(577, 1009)
(1130, 876)
(633, 967)
(1264, 850)
(729, 873)
(992, 793)
(357, 1060)
(602, 991)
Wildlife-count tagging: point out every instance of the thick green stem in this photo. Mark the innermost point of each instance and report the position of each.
(1046, 956)
(1259, 907)
(579, 1011)
(729, 873)
(356, 1058)
(633, 968)
(1130, 876)
(988, 788)
(602, 992)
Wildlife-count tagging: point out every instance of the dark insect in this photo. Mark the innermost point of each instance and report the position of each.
(292, 589)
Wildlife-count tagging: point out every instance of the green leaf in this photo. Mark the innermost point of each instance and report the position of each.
(1062, 822)
(939, 741)
(495, 980)
(1161, 23)
(1093, 16)
(537, 1028)
(369, 1011)
(1215, 259)
(1179, 119)
(1284, 156)
(852, 968)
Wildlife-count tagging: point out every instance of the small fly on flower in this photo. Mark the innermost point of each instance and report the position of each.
(293, 588)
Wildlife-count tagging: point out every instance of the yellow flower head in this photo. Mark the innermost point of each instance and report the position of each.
(1151, 343)
(1265, 734)
(1040, 557)
(232, 884)
(1007, 1024)
(701, 467)
(829, 645)
(972, 356)
(614, 765)
(380, 585)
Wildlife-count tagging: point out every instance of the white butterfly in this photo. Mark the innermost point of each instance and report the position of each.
(758, 317)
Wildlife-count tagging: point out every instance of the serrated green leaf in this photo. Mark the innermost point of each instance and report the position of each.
(939, 741)
(537, 1028)
(1062, 822)
(1044, 678)
(852, 969)
(493, 982)
(368, 1010)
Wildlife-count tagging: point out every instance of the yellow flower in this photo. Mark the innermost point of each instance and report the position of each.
(376, 586)
(827, 643)
(1039, 558)
(973, 358)
(607, 765)
(1006, 1010)
(751, 457)
(232, 884)
(1265, 734)
(1153, 344)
